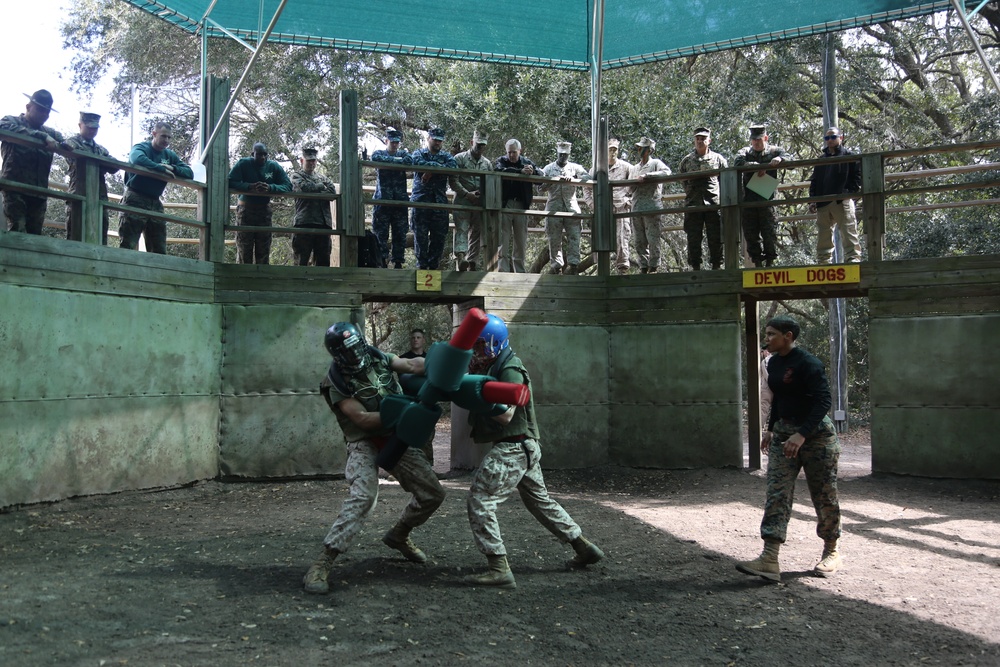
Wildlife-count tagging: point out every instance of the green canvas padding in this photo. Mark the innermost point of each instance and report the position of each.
(555, 33)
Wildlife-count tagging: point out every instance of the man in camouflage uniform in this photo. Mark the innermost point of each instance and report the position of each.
(311, 213)
(84, 143)
(621, 202)
(759, 224)
(391, 184)
(256, 174)
(28, 165)
(800, 435)
(648, 196)
(430, 225)
(513, 462)
(562, 199)
(144, 191)
(359, 378)
(703, 191)
(468, 225)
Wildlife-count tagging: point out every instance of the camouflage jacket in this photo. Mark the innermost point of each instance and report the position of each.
(78, 143)
(390, 183)
(434, 190)
(312, 212)
(23, 163)
(463, 184)
(748, 155)
(702, 191)
(648, 196)
(562, 196)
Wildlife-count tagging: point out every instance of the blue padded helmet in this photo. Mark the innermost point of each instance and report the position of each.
(494, 335)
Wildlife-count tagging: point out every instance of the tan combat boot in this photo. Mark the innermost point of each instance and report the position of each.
(316, 579)
(398, 538)
(498, 574)
(765, 565)
(587, 553)
(831, 560)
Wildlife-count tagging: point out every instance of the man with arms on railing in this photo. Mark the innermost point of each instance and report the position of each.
(703, 191)
(311, 213)
(760, 227)
(144, 191)
(648, 196)
(835, 179)
(28, 165)
(516, 194)
(430, 225)
(260, 175)
(468, 225)
(391, 184)
(83, 142)
(562, 199)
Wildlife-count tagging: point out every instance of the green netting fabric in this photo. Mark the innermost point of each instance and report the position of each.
(545, 33)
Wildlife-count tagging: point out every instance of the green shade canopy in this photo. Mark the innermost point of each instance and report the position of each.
(544, 33)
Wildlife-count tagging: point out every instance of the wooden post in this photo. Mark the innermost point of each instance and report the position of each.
(352, 212)
(729, 198)
(873, 202)
(213, 201)
(751, 315)
(90, 214)
(493, 202)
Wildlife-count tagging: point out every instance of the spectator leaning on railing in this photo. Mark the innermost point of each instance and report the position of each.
(28, 165)
(144, 191)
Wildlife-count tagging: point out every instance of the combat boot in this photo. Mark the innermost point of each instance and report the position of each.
(572, 270)
(587, 553)
(498, 574)
(831, 560)
(472, 266)
(460, 260)
(316, 579)
(643, 270)
(765, 565)
(652, 269)
(398, 538)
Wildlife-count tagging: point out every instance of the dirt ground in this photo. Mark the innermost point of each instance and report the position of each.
(211, 574)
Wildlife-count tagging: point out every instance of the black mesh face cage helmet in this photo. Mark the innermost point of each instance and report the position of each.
(348, 347)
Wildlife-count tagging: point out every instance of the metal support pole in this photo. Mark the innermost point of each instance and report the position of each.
(602, 238)
(243, 78)
(975, 42)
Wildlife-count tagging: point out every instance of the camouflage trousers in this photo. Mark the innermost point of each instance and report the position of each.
(818, 456)
(697, 226)
(648, 230)
(414, 474)
(623, 234)
(760, 229)
(74, 224)
(315, 246)
(253, 247)
(469, 236)
(509, 466)
(132, 225)
(24, 213)
(555, 230)
(430, 226)
(386, 219)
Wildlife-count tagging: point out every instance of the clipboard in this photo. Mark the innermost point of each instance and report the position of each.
(763, 185)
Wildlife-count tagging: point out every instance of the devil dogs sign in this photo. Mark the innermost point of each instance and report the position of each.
(828, 274)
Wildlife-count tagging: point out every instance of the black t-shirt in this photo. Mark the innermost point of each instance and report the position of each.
(801, 390)
(410, 354)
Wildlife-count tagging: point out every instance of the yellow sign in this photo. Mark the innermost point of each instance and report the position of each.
(428, 281)
(825, 274)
